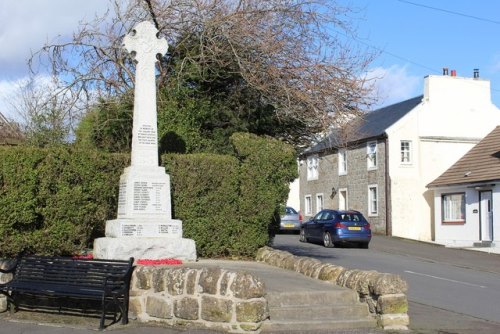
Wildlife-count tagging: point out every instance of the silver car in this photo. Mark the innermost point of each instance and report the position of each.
(291, 221)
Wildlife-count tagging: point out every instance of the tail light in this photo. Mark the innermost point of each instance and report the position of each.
(367, 226)
(300, 217)
(340, 225)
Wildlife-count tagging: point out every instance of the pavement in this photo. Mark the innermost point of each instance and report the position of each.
(430, 320)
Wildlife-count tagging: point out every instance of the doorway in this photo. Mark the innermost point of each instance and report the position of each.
(343, 199)
(485, 216)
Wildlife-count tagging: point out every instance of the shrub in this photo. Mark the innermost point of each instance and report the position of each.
(55, 201)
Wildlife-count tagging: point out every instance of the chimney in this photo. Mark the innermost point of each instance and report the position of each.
(476, 73)
(445, 70)
(453, 73)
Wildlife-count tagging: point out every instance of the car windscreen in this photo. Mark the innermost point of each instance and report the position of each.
(351, 217)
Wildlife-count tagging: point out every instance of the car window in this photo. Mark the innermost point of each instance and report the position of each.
(328, 216)
(351, 217)
(318, 215)
(290, 211)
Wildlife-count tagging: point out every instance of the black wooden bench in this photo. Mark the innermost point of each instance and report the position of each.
(107, 281)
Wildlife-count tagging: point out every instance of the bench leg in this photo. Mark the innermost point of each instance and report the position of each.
(103, 314)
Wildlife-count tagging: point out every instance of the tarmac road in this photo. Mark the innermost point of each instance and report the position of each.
(450, 290)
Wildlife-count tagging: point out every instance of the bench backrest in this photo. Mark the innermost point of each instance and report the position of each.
(70, 271)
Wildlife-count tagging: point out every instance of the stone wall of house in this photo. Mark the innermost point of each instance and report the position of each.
(385, 294)
(356, 181)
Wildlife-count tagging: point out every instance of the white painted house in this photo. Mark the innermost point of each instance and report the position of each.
(395, 152)
(467, 197)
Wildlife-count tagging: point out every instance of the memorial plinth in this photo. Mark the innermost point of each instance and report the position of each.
(144, 228)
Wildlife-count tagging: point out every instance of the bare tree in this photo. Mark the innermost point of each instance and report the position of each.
(295, 53)
(45, 117)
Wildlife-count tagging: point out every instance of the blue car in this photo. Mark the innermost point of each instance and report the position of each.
(335, 227)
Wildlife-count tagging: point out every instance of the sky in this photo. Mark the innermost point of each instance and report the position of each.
(412, 38)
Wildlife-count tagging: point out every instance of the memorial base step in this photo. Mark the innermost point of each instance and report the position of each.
(145, 248)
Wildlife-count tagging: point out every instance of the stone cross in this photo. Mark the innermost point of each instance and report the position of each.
(144, 45)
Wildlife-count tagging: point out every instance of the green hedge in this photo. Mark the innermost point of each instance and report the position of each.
(228, 204)
(56, 201)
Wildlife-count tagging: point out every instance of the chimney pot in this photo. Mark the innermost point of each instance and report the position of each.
(453, 73)
(476, 73)
(445, 70)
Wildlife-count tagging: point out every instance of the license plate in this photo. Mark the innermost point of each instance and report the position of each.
(289, 225)
(354, 228)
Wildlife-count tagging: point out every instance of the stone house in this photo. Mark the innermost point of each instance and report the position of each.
(9, 133)
(467, 197)
(381, 163)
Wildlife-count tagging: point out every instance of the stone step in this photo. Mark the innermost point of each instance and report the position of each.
(308, 298)
(316, 326)
(319, 312)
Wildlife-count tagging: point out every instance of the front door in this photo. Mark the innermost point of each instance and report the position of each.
(486, 215)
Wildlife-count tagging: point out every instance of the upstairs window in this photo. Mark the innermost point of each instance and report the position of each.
(406, 152)
(342, 162)
(371, 154)
(312, 167)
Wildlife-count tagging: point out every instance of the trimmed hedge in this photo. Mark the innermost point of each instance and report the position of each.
(56, 201)
(228, 205)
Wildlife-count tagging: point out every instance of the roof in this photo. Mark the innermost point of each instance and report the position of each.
(480, 164)
(371, 125)
(9, 133)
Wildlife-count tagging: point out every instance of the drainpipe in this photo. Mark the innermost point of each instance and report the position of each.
(388, 206)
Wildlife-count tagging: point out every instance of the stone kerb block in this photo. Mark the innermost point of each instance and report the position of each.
(392, 304)
(385, 294)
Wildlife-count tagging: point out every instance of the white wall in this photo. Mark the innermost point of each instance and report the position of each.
(465, 235)
(455, 114)
(294, 195)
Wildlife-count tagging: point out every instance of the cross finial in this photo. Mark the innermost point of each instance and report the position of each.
(144, 42)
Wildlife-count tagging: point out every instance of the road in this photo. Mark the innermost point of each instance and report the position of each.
(462, 286)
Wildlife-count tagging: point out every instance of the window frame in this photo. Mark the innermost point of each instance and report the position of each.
(318, 202)
(308, 205)
(373, 202)
(312, 166)
(342, 160)
(408, 152)
(453, 220)
(371, 155)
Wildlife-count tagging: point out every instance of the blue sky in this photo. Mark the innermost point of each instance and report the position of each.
(416, 41)
(413, 39)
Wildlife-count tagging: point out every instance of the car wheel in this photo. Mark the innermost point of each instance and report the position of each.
(327, 240)
(302, 235)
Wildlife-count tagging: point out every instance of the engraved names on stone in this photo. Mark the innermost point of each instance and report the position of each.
(148, 197)
(149, 230)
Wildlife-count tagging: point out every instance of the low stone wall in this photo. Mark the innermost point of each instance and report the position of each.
(208, 297)
(385, 294)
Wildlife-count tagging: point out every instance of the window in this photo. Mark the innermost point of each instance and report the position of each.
(342, 162)
(319, 202)
(371, 154)
(406, 152)
(308, 205)
(312, 167)
(453, 208)
(372, 200)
